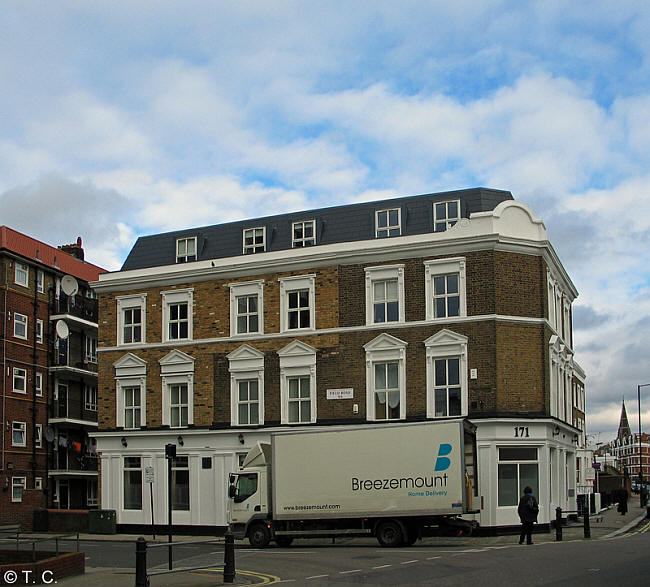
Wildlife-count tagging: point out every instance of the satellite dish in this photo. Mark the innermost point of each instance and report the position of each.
(69, 285)
(49, 433)
(62, 330)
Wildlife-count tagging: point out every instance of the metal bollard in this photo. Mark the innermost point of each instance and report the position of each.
(229, 559)
(647, 512)
(587, 527)
(141, 579)
(558, 524)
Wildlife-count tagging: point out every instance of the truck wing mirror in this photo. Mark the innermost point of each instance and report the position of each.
(231, 491)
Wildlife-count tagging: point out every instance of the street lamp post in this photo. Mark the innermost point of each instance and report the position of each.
(641, 492)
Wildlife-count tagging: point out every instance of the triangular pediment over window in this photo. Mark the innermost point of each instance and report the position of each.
(244, 352)
(130, 365)
(385, 342)
(246, 358)
(176, 362)
(130, 360)
(296, 348)
(175, 358)
(445, 337)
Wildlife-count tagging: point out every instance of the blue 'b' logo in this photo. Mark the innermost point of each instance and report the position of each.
(443, 462)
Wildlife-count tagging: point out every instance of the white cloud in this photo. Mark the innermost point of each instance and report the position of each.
(143, 117)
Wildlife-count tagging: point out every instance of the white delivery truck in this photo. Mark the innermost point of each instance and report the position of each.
(396, 482)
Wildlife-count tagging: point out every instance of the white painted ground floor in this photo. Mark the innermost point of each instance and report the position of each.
(511, 453)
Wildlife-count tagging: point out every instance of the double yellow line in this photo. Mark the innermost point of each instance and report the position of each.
(264, 578)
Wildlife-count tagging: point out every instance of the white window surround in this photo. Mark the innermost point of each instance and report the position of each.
(130, 371)
(21, 325)
(297, 359)
(186, 249)
(247, 288)
(381, 349)
(90, 397)
(39, 384)
(384, 273)
(177, 296)
(253, 246)
(387, 229)
(435, 267)
(40, 281)
(21, 274)
(38, 435)
(446, 344)
(18, 433)
(447, 219)
(177, 368)
(39, 331)
(291, 284)
(20, 377)
(18, 485)
(300, 233)
(561, 370)
(91, 349)
(136, 301)
(245, 363)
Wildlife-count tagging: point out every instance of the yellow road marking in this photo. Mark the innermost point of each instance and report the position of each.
(265, 579)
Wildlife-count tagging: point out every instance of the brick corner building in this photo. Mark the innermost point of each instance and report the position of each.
(49, 380)
(417, 308)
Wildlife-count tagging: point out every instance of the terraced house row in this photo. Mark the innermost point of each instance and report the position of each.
(410, 309)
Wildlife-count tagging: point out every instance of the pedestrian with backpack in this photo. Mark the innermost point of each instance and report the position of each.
(527, 510)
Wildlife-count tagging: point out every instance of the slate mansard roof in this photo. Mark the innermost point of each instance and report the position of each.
(352, 222)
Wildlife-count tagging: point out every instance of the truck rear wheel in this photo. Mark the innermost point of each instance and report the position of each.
(259, 536)
(284, 541)
(390, 534)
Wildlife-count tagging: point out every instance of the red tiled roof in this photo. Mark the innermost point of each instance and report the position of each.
(30, 248)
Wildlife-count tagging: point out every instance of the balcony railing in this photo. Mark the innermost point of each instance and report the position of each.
(78, 306)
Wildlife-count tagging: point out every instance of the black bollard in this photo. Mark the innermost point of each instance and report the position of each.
(229, 559)
(558, 524)
(141, 579)
(587, 527)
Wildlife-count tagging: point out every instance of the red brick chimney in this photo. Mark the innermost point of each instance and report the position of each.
(76, 250)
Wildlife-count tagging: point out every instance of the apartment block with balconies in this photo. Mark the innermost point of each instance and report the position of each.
(49, 383)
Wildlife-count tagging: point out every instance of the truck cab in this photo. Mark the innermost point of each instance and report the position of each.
(249, 493)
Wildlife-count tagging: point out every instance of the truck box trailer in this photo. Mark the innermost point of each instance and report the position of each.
(396, 482)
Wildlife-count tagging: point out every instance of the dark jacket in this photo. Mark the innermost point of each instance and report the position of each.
(528, 508)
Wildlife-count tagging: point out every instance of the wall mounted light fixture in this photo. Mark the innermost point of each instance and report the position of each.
(124, 442)
(556, 431)
(180, 440)
(241, 438)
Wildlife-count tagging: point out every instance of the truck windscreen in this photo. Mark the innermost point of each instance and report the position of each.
(246, 486)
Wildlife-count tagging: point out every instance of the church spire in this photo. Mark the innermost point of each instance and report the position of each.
(624, 426)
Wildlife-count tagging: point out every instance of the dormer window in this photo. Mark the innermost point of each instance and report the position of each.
(186, 249)
(445, 215)
(388, 223)
(254, 240)
(303, 233)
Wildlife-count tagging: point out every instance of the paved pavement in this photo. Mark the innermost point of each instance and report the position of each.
(605, 525)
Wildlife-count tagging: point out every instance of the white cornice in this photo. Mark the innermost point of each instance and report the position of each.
(510, 227)
(323, 256)
(449, 322)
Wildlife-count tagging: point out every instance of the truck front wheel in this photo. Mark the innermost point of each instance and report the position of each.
(390, 534)
(259, 536)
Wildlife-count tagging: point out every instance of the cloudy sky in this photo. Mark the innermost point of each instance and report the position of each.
(127, 118)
